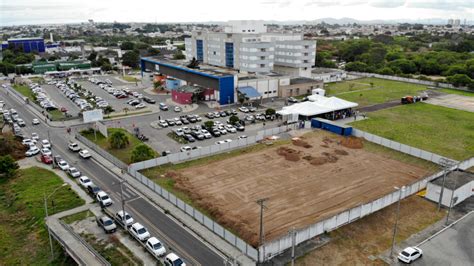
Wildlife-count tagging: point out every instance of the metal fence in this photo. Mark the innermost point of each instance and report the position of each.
(210, 150)
(425, 155)
(101, 151)
(410, 80)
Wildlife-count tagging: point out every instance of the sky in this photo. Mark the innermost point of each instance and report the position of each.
(20, 12)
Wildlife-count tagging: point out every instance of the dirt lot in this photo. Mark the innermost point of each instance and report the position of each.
(370, 236)
(312, 179)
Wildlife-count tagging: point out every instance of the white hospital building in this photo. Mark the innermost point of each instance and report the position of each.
(248, 47)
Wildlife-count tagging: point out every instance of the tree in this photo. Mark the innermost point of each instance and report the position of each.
(131, 59)
(234, 119)
(118, 140)
(403, 66)
(92, 56)
(356, 66)
(209, 124)
(179, 55)
(8, 166)
(127, 46)
(460, 80)
(142, 153)
(270, 111)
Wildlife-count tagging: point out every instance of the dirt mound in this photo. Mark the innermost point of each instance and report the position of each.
(324, 145)
(301, 143)
(352, 143)
(289, 154)
(318, 160)
(330, 158)
(341, 152)
(308, 157)
(327, 140)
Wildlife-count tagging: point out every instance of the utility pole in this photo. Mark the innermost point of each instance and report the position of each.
(124, 219)
(396, 218)
(452, 200)
(293, 232)
(261, 202)
(446, 164)
(46, 217)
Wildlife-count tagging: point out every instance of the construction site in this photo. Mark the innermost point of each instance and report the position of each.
(314, 177)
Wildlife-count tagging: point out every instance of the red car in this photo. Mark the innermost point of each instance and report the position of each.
(63, 109)
(122, 96)
(46, 159)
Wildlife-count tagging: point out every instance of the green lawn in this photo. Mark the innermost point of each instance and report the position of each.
(122, 154)
(23, 235)
(77, 217)
(459, 92)
(362, 92)
(441, 130)
(130, 78)
(25, 90)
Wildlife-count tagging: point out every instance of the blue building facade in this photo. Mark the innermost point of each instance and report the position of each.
(199, 51)
(27, 45)
(229, 54)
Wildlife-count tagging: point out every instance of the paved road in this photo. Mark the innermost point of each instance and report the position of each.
(454, 246)
(182, 242)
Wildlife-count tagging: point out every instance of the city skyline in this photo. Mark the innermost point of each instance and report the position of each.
(21, 12)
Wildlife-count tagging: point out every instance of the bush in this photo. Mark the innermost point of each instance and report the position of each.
(209, 124)
(118, 140)
(142, 153)
(8, 166)
(234, 119)
(270, 111)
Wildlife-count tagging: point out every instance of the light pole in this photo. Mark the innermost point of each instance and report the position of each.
(396, 218)
(261, 202)
(46, 216)
(452, 200)
(292, 232)
(447, 164)
(124, 219)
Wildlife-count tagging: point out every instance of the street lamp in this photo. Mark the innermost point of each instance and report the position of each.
(396, 218)
(46, 216)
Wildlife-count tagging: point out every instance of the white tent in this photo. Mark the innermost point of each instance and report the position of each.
(316, 105)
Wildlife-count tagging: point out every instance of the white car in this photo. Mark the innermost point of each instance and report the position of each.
(140, 106)
(104, 199)
(230, 129)
(72, 171)
(28, 142)
(177, 109)
(63, 165)
(85, 154)
(46, 151)
(107, 223)
(45, 143)
(32, 151)
(74, 147)
(119, 216)
(34, 136)
(244, 109)
(173, 260)
(410, 254)
(139, 232)
(185, 148)
(154, 246)
(85, 181)
(35, 121)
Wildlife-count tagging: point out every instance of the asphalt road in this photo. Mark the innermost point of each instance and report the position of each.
(160, 225)
(454, 246)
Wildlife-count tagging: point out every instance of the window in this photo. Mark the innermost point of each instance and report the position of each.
(262, 57)
(306, 46)
(262, 65)
(214, 53)
(262, 50)
(305, 54)
(274, 91)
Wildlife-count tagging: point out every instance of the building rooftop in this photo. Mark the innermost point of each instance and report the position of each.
(25, 39)
(321, 70)
(455, 179)
(302, 80)
(203, 68)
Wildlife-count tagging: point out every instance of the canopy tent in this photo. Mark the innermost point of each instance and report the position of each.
(316, 105)
(249, 92)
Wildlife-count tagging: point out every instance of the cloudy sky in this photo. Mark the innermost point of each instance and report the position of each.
(14, 12)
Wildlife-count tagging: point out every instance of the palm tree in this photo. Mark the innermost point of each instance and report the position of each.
(118, 140)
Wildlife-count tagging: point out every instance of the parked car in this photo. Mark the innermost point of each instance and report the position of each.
(63, 165)
(410, 254)
(107, 224)
(185, 148)
(34, 136)
(56, 159)
(162, 123)
(73, 172)
(73, 146)
(243, 109)
(85, 154)
(32, 151)
(177, 109)
(140, 106)
(139, 232)
(46, 151)
(35, 121)
(20, 122)
(46, 159)
(104, 199)
(189, 138)
(239, 127)
(93, 190)
(163, 107)
(45, 144)
(173, 260)
(124, 219)
(292, 100)
(154, 246)
(85, 181)
(149, 100)
(28, 142)
(170, 122)
(252, 109)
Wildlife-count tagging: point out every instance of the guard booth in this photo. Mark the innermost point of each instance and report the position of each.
(329, 125)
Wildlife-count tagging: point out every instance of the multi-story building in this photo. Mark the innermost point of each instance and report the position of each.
(27, 45)
(247, 47)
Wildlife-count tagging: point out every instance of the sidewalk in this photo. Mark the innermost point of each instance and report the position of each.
(185, 108)
(196, 228)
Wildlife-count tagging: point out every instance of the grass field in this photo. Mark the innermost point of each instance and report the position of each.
(458, 92)
(437, 129)
(130, 78)
(25, 90)
(112, 250)
(364, 93)
(122, 154)
(353, 244)
(23, 236)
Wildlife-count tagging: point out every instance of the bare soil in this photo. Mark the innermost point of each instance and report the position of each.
(320, 183)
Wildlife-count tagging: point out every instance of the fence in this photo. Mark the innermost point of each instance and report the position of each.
(425, 155)
(410, 80)
(210, 150)
(101, 151)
